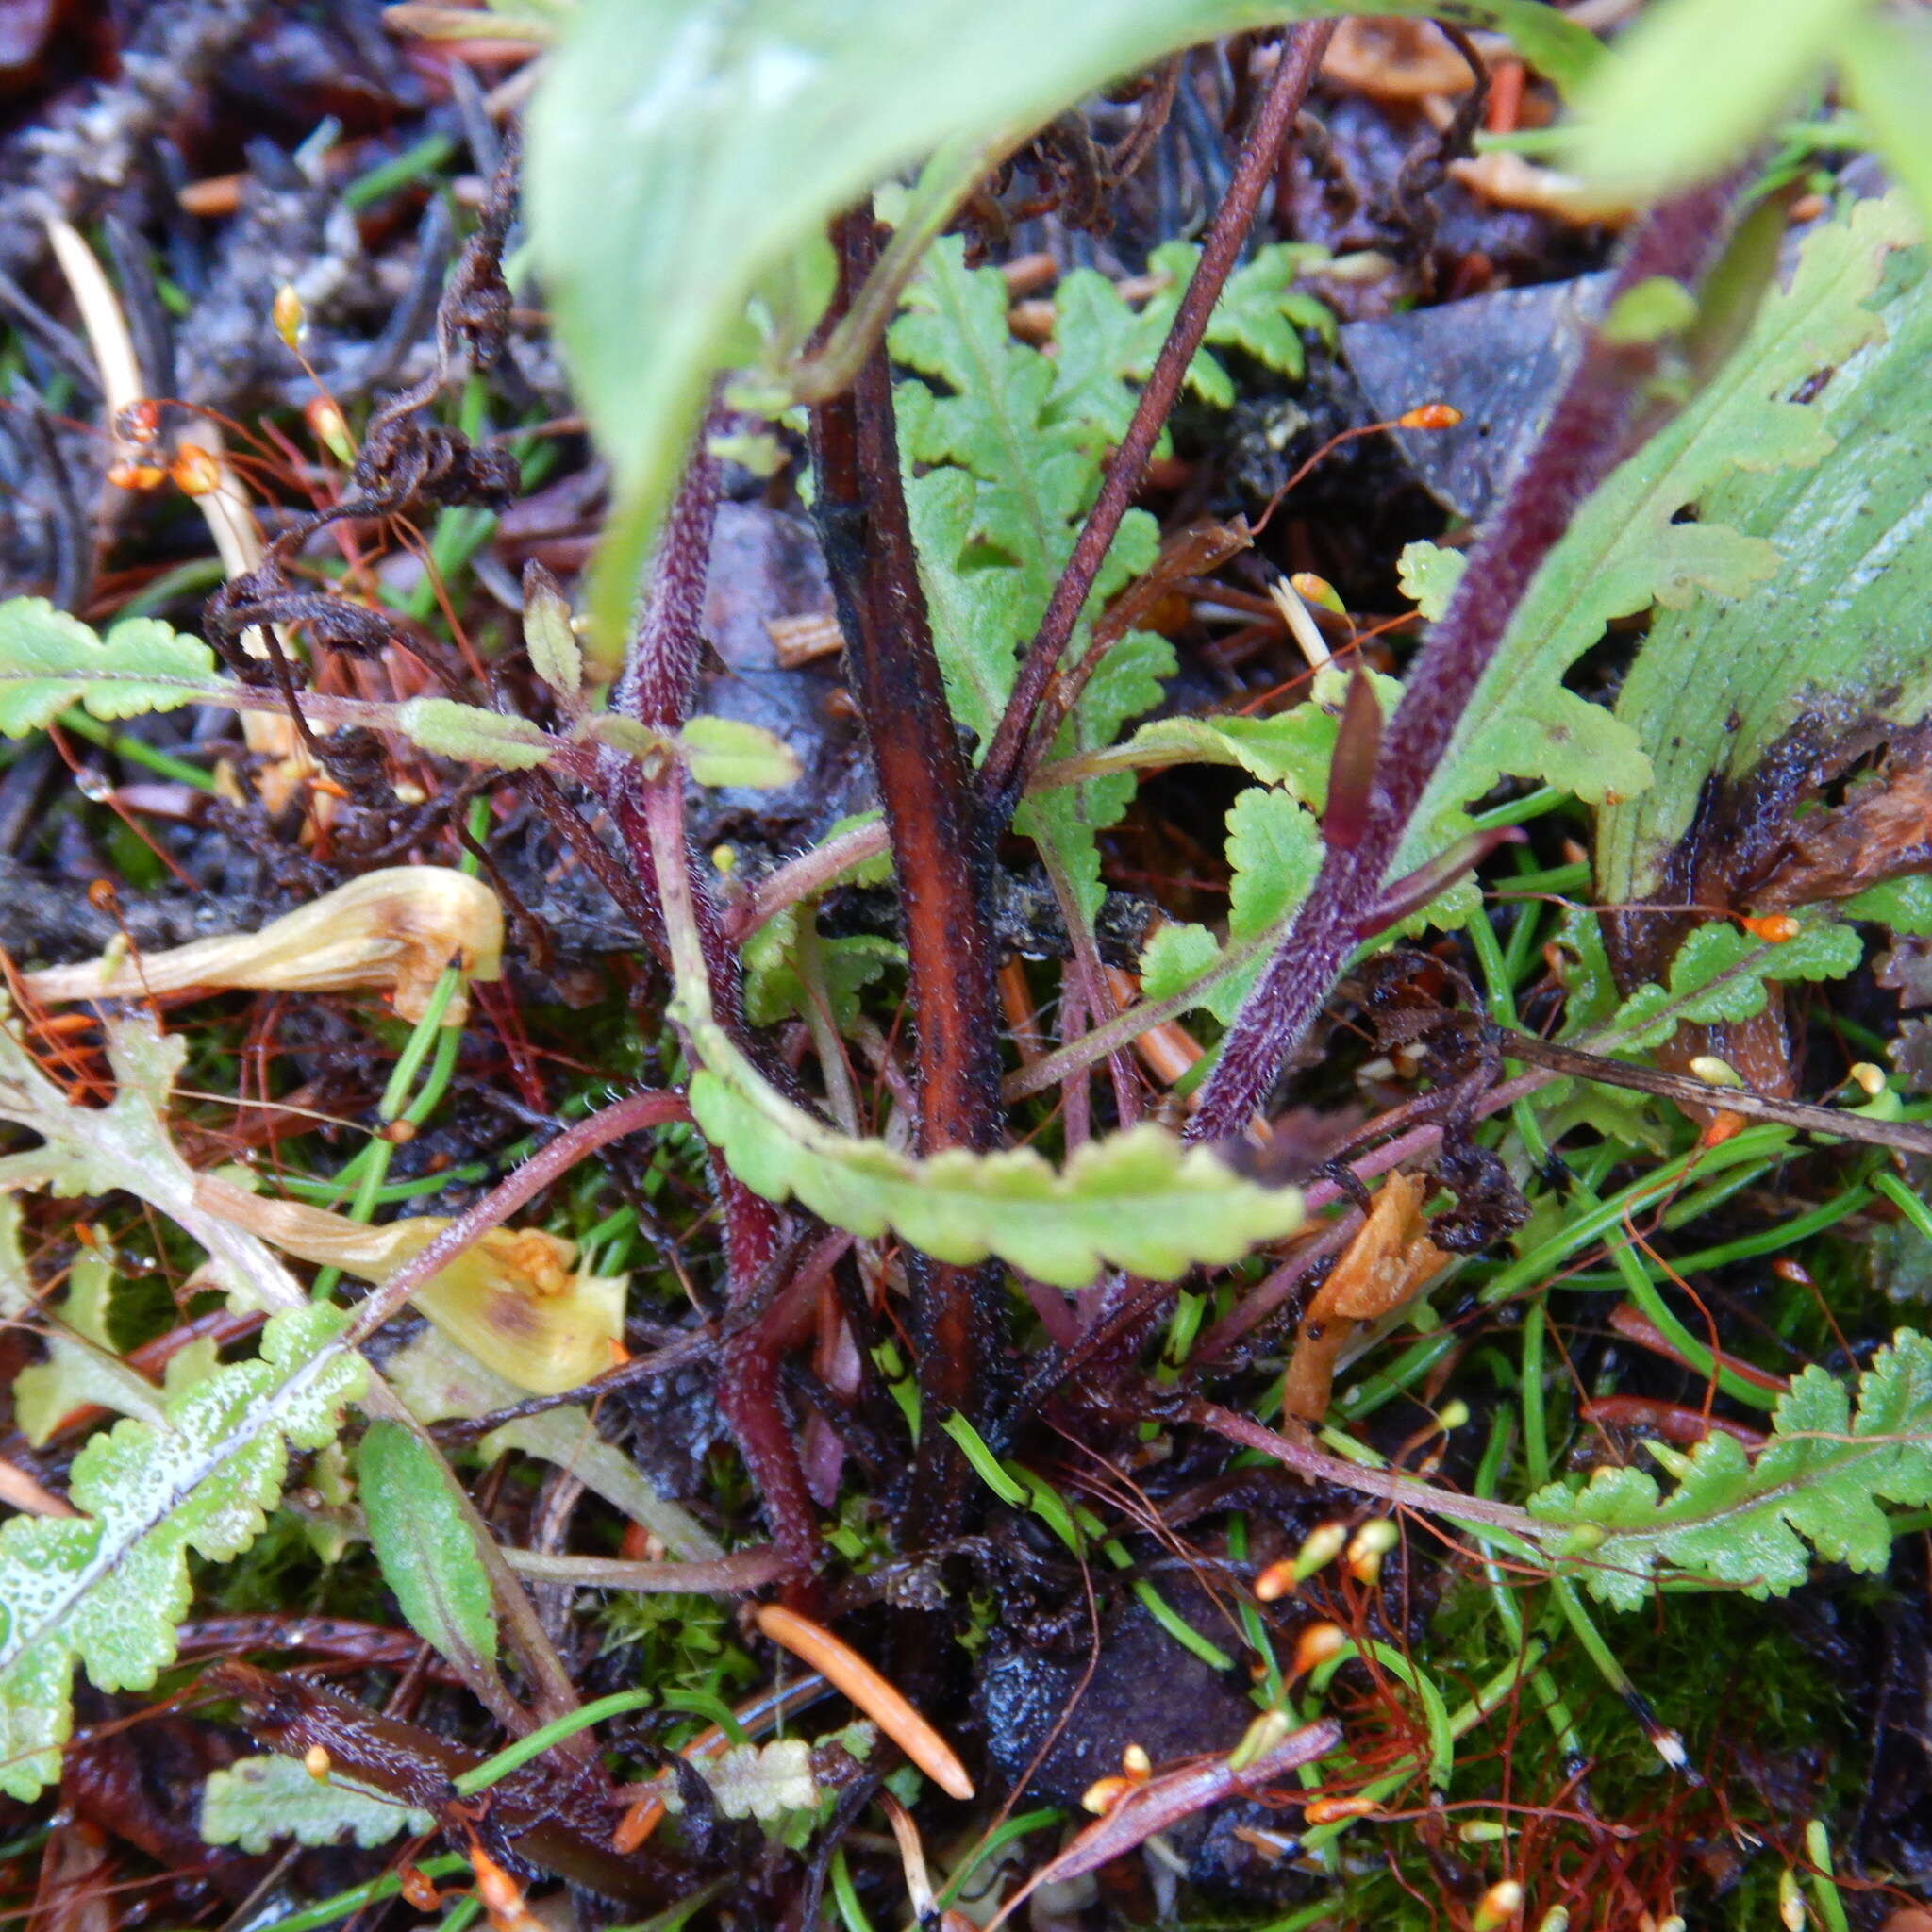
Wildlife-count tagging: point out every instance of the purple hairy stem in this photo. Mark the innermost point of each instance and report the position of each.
(1043, 693)
(660, 681)
(1589, 431)
(657, 688)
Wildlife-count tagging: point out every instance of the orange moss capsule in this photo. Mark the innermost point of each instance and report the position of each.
(1276, 1581)
(124, 474)
(287, 314)
(1774, 928)
(138, 421)
(1497, 1907)
(1333, 1811)
(330, 429)
(1430, 416)
(1726, 1126)
(419, 1890)
(195, 472)
(315, 1761)
(1317, 1645)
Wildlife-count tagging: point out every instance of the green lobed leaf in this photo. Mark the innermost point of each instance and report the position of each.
(1851, 563)
(256, 1801)
(423, 1544)
(1016, 446)
(1428, 575)
(678, 155)
(49, 660)
(1719, 973)
(1744, 1521)
(82, 1367)
(1136, 1200)
(776, 978)
(1626, 549)
(1274, 847)
(106, 1588)
(1273, 844)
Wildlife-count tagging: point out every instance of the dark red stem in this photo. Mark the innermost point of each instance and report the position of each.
(1589, 431)
(1042, 694)
(941, 852)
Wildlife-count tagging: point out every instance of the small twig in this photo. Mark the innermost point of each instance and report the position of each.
(1041, 699)
(1409, 1492)
(1910, 1136)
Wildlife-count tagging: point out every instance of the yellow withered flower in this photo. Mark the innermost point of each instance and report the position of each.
(396, 928)
(513, 1299)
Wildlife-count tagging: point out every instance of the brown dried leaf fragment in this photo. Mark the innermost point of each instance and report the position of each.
(1380, 1270)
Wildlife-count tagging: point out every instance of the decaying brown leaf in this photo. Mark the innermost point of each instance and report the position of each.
(1378, 1273)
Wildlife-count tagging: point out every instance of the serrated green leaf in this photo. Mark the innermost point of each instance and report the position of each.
(256, 1801)
(106, 1588)
(1274, 847)
(1899, 905)
(1719, 974)
(82, 1367)
(1626, 550)
(1852, 568)
(775, 980)
(449, 730)
(49, 660)
(1137, 1200)
(728, 751)
(1745, 1521)
(1292, 749)
(1018, 448)
(1428, 575)
(423, 1546)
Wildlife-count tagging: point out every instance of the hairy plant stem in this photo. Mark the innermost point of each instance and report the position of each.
(656, 686)
(942, 859)
(1406, 1492)
(1044, 693)
(747, 1387)
(1589, 432)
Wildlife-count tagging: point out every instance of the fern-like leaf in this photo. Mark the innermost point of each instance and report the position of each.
(106, 1587)
(256, 1801)
(1628, 549)
(1014, 441)
(1137, 1200)
(49, 660)
(1744, 1519)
